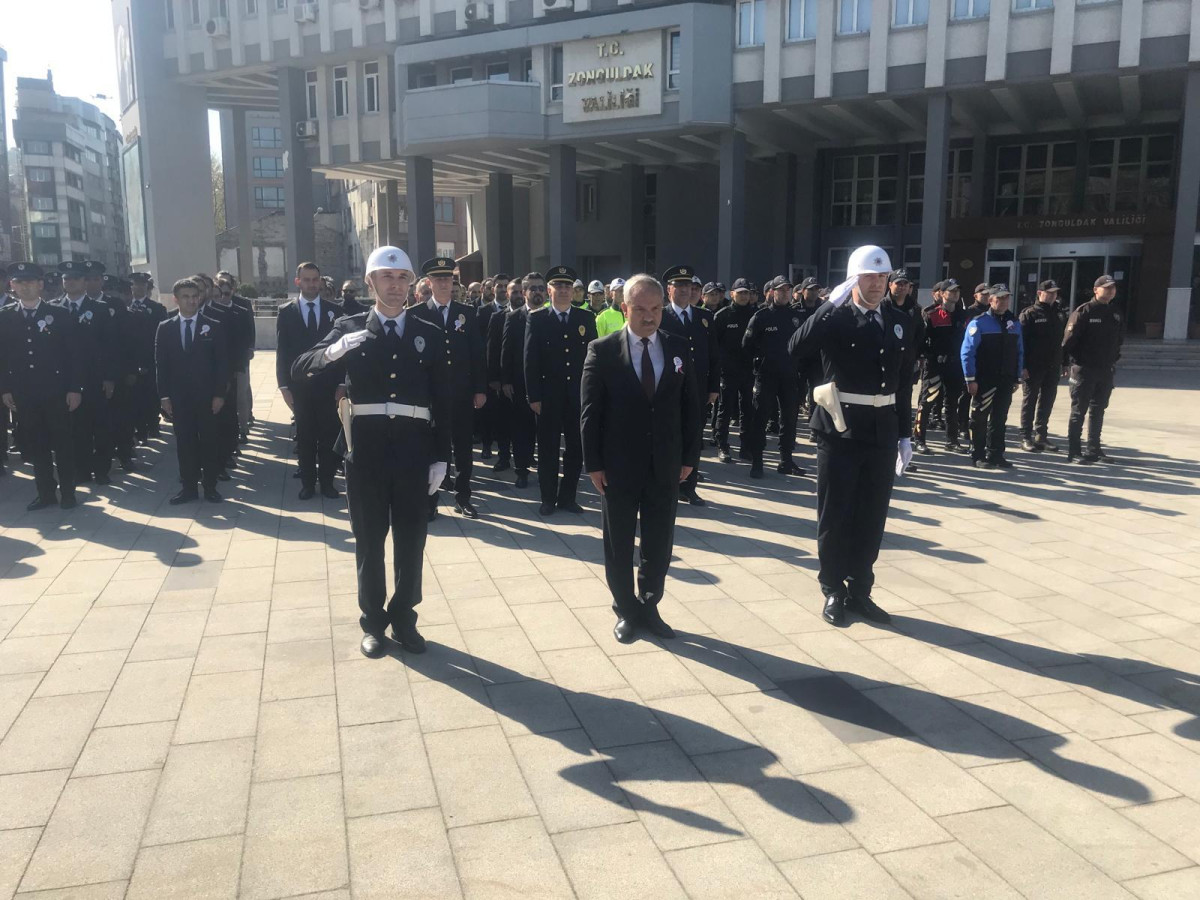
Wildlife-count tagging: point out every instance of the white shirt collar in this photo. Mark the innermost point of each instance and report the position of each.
(635, 341)
(679, 310)
(865, 310)
(383, 320)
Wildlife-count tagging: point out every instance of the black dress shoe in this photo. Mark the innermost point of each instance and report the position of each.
(522, 479)
(656, 626)
(409, 638)
(868, 609)
(1030, 447)
(211, 495)
(307, 492)
(625, 631)
(372, 646)
(787, 467)
(295, 474)
(835, 610)
(693, 498)
(184, 496)
(546, 509)
(68, 501)
(1001, 463)
(725, 456)
(129, 465)
(39, 503)
(570, 506)
(466, 510)
(329, 491)
(503, 464)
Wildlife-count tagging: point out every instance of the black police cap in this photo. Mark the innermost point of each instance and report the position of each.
(93, 267)
(1048, 285)
(439, 265)
(709, 288)
(561, 275)
(136, 277)
(809, 282)
(741, 284)
(25, 271)
(73, 268)
(900, 275)
(1104, 281)
(678, 273)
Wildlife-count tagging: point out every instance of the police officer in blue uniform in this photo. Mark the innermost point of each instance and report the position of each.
(993, 361)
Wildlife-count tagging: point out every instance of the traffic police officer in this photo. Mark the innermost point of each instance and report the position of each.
(42, 370)
(993, 360)
(462, 347)
(737, 372)
(693, 324)
(1042, 327)
(512, 373)
(775, 382)
(1092, 346)
(556, 342)
(867, 353)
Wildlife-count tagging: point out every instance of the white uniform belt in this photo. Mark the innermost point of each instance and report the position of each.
(867, 399)
(392, 409)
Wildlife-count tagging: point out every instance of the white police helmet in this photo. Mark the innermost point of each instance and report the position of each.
(390, 258)
(868, 260)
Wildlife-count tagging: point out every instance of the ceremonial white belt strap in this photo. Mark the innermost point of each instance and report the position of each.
(392, 409)
(867, 399)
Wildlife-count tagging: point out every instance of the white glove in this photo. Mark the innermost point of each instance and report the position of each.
(437, 472)
(344, 345)
(903, 455)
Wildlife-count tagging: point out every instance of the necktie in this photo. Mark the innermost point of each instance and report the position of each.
(446, 315)
(187, 334)
(562, 317)
(29, 314)
(390, 326)
(74, 307)
(647, 370)
(312, 316)
(875, 317)
(687, 317)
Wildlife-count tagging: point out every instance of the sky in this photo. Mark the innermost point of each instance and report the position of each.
(74, 39)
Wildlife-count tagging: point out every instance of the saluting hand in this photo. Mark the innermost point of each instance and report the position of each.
(345, 344)
(599, 481)
(74, 398)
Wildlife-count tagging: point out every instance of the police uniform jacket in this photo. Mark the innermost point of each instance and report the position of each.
(766, 340)
(40, 358)
(196, 375)
(153, 308)
(554, 355)
(95, 323)
(1042, 327)
(461, 343)
(512, 349)
(730, 323)
(701, 339)
(913, 310)
(861, 358)
(1093, 336)
(993, 352)
(142, 328)
(409, 370)
(941, 340)
(294, 337)
(495, 343)
(483, 318)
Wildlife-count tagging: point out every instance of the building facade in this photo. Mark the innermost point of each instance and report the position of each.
(6, 220)
(998, 140)
(70, 168)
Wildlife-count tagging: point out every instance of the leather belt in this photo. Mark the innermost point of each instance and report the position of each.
(867, 399)
(392, 410)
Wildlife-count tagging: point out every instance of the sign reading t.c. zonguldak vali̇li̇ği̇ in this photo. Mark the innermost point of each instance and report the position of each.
(613, 77)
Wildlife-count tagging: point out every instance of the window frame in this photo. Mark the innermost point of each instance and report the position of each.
(502, 69)
(674, 52)
(258, 142)
(260, 171)
(34, 174)
(853, 203)
(1024, 172)
(556, 72)
(440, 205)
(38, 204)
(312, 83)
(169, 16)
(910, 7)
(1143, 164)
(974, 12)
(278, 198)
(1028, 6)
(757, 10)
(858, 26)
(805, 12)
(52, 227)
(470, 70)
(251, 8)
(371, 87)
(341, 92)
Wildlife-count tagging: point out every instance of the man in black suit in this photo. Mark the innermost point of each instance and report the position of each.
(398, 444)
(556, 342)
(512, 374)
(192, 360)
(302, 324)
(862, 422)
(641, 426)
(694, 324)
(462, 347)
(41, 380)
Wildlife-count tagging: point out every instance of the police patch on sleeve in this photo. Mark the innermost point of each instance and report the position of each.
(972, 328)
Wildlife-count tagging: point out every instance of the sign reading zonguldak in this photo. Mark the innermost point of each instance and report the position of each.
(613, 77)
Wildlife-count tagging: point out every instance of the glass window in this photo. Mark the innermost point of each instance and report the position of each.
(268, 197)
(194, 11)
(71, 152)
(44, 230)
(527, 69)
(1130, 174)
(497, 71)
(40, 148)
(461, 75)
(268, 167)
(169, 5)
(74, 181)
(39, 174)
(802, 20)
(220, 8)
(854, 16)
(1034, 179)
(673, 40)
(556, 73)
(251, 7)
(281, 4)
(751, 15)
(864, 190)
(42, 203)
(426, 79)
(341, 91)
(1024, 5)
(970, 9)
(310, 94)
(443, 209)
(371, 87)
(266, 138)
(912, 12)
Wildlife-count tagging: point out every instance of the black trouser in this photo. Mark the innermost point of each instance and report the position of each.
(118, 436)
(4, 421)
(317, 429)
(989, 415)
(46, 442)
(938, 385)
(620, 510)
(775, 392)
(388, 496)
(854, 488)
(145, 404)
(498, 423)
(1037, 402)
(553, 424)
(88, 428)
(227, 425)
(1090, 391)
(197, 441)
(462, 437)
(524, 432)
(737, 399)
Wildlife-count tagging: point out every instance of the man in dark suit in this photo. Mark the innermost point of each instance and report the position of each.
(512, 375)
(302, 324)
(192, 360)
(398, 443)
(862, 422)
(556, 342)
(641, 426)
(694, 324)
(462, 347)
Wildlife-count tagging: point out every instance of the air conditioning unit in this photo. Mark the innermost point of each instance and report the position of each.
(306, 12)
(558, 5)
(216, 27)
(474, 13)
(369, 4)
(306, 129)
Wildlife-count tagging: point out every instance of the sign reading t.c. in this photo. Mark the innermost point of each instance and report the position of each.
(613, 78)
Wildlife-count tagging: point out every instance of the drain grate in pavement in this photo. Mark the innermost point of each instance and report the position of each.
(849, 714)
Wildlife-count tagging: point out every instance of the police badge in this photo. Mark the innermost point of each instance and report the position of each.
(419, 343)
(898, 330)
(582, 331)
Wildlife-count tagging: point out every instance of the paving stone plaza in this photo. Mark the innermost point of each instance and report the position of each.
(184, 711)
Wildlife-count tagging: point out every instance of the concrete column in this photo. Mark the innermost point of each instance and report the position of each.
(422, 244)
(634, 256)
(389, 215)
(1187, 201)
(933, 223)
(498, 214)
(560, 203)
(783, 212)
(240, 207)
(297, 174)
(731, 214)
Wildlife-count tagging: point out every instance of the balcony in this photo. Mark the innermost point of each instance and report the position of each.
(473, 111)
